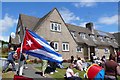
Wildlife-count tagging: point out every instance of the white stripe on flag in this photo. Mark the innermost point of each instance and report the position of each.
(43, 44)
(39, 51)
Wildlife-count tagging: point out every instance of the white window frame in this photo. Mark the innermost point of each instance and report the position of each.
(73, 34)
(18, 29)
(114, 40)
(56, 48)
(79, 49)
(83, 35)
(108, 40)
(101, 38)
(66, 44)
(93, 37)
(56, 27)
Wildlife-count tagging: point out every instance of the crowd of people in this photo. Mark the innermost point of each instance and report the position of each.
(111, 67)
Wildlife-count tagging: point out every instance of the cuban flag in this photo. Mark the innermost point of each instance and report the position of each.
(36, 46)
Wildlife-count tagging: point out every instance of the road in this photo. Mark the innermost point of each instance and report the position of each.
(34, 73)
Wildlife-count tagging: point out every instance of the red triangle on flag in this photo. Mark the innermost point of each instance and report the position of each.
(30, 43)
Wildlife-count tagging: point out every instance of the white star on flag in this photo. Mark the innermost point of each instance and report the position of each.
(29, 42)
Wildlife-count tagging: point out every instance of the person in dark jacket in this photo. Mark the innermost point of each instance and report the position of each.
(10, 60)
(53, 65)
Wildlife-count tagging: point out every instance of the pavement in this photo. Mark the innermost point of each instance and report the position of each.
(32, 72)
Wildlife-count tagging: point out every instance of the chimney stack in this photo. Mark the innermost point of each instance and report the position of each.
(89, 26)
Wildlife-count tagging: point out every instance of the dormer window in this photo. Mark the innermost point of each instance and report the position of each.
(73, 33)
(108, 40)
(83, 35)
(18, 30)
(93, 37)
(114, 40)
(54, 26)
(79, 49)
(101, 38)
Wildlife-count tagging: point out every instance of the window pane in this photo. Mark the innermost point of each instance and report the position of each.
(66, 46)
(52, 26)
(63, 46)
(58, 27)
(55, 46)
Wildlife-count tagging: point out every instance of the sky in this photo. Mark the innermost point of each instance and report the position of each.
(104, 15)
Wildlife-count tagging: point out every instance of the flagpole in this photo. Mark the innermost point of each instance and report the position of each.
(21, 52)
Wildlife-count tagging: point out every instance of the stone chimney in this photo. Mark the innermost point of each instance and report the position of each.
(89, 26)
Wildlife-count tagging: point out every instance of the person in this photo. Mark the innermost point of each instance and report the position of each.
(25, 62)
(70, 74)
(112, 69)
(53, 65)
(98, 61)
(91, 57)
(10, 60)
(72, 59)
(79, 64)
(44, 66)
(103, 59)
(118, 57)
(21, 63)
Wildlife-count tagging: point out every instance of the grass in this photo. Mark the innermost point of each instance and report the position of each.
(4, 55)
(8, 75)
(61, 72)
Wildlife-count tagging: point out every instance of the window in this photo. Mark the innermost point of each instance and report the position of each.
(65, 46)
(18, 30)
(96, 50)
(78, 49)
(73, 33)
(106, 50)
(83, 35)
(56, 46)
(55, 27)
(93, 37)
(101, 38)
(115, 41)
(108, 39)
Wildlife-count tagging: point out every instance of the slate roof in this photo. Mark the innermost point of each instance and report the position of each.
(79, 39)
(28, 21)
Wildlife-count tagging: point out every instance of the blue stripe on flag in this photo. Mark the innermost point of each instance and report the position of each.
(50, 51)
(36, 36)
(42, 56)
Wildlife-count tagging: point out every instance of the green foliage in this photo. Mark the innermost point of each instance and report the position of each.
(87, 60)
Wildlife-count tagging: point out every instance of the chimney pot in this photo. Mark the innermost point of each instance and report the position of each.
(89, 26)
